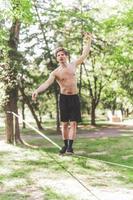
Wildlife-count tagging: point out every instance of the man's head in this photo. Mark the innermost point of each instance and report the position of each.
(61, 55)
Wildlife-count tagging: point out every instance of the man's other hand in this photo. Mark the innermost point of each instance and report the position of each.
(34, 95)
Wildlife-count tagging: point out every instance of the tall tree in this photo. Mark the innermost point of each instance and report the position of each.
(11, 69)
(12, 90)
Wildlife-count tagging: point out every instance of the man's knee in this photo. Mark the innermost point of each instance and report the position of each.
(73, 124)
(64, 125)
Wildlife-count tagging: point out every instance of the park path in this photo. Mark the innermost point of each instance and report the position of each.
(111, 130)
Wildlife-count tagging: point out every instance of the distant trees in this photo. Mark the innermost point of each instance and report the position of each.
(29, 33)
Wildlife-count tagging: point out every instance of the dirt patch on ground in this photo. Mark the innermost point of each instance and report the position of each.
(113, 130)
(110, 131)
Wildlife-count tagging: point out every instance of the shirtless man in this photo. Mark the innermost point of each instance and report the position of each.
(69, 103)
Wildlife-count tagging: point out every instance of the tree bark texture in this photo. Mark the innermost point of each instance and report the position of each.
(12, 131)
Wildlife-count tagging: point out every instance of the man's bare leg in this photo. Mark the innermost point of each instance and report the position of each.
(72, 130)
(65, 131)
(65, 136)
(72, 136)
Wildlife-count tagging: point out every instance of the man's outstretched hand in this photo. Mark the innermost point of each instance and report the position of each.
(87, 36)
(34, 95)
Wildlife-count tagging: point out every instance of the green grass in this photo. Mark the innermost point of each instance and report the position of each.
(19, 173)
(114, 149)
(2, 130)
(28, 167)
(48, 131)
(12, 196)
(50, 194)
(3, 153)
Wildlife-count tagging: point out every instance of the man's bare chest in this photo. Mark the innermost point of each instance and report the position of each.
(66, 74)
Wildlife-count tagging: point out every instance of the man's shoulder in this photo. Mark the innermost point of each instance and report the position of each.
(73, 63)
(55, 71)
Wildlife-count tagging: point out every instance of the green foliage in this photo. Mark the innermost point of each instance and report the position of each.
(22, 10)
(110, 24)
(59, 25)
(3, 38)
(127, 19)
(127, 82)
(15, 10)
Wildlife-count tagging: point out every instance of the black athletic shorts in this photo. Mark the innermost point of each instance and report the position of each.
(69, 108)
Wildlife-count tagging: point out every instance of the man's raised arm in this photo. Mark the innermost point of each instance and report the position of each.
(86, 49)
(43, 86)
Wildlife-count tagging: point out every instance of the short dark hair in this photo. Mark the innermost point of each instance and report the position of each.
(61, 49)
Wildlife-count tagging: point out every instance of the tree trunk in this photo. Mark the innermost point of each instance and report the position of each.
(27, 101)
(93, 113)
(51, 64)
(127, 112)
(23, 113)
(12, 131)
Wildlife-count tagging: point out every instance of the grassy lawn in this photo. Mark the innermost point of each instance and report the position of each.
(114, 149)
(28, 174)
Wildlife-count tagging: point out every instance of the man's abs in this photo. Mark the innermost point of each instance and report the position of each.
(68, 91)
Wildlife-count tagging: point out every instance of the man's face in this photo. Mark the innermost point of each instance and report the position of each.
(61, 57)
